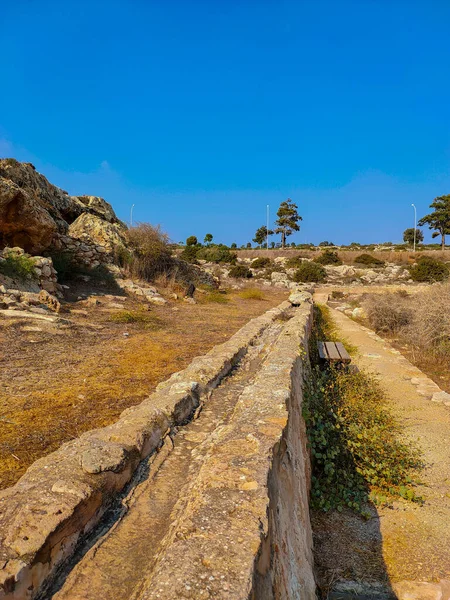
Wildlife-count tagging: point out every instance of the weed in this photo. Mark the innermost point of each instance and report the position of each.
(17, 266)
(355, 442)
(218, 296)
(251, 294)
(137, 316)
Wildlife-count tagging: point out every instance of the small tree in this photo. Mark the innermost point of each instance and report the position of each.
(233, 245)
(272, 245)
(249, 245)
(288, 219)
(208, 238)
(326, 243)
(261, 235)
(439, 220)
(408, 236)
(191, 241)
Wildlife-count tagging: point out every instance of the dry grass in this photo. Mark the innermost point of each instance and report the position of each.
(388, 313)
(58, 383)
(251, 294)
(419, 325)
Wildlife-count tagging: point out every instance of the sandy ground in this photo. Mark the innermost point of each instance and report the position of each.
(407, 541)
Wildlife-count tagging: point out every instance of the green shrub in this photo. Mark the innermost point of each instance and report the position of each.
(369, 261)
(295, 261)
(328, 257)
(189, 254)
(310, 272)
(216, 254)
(17, 266)
(261, 262)
(429, 269)
(240, 271)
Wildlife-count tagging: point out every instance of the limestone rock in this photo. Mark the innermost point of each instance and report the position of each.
(23, 222)
(97, 231)
(297, 298)
(36, 215)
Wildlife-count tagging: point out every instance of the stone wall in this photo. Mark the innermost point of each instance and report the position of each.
(44, 276)
(64, 495)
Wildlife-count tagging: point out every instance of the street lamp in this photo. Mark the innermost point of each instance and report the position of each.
(415, 224)
(131, 215)
(267, 229)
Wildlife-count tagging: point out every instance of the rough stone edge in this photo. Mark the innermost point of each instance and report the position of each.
(242, 533)
(62, 496)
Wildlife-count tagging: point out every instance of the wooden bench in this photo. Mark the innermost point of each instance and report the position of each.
(333, 352)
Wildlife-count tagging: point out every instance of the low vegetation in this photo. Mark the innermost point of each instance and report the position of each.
(218, 296)
(17, 266)
(140, 317)
(251, 294)
(240, 272)
(328, 257)
(367, 260)
(428, 269)
(310, 272)
(294, 262)
(356, 448)
(261, 262)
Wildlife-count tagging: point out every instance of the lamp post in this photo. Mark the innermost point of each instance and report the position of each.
(131, 215)
(415, 224)
(267, 229)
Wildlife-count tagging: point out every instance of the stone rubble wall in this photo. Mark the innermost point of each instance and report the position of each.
(63, 496)
(245, 532)
(83, 251)
(38, 289)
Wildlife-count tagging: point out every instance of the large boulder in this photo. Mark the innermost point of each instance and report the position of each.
(95, 230)
(23, 221)
(34, 213)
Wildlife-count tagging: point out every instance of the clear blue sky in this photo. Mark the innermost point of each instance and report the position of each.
(202, 112)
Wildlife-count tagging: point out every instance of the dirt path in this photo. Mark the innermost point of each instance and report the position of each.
(118, 564)
(414, 540)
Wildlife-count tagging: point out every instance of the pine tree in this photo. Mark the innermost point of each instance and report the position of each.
(287, 221)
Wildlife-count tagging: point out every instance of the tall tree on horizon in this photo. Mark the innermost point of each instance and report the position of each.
(408, 236)
(287, 221)
(439, 220)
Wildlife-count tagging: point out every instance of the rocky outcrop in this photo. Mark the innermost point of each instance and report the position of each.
(94, 230)
(38, 216)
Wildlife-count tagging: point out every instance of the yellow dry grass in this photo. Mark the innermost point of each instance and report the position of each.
(57, 383)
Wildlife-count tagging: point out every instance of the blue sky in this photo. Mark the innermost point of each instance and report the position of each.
(202, 112)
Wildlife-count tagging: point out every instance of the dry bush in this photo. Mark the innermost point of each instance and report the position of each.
(388, 312)
(429, 330)
(151, 254)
